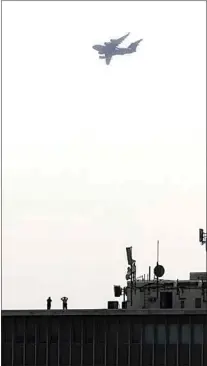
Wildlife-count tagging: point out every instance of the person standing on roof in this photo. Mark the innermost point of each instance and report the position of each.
(49, 301)
(64, 300)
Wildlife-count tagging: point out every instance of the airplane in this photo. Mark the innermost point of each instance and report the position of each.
(111, 48)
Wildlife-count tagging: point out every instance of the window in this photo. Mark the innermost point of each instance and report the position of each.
(41, 330)
(112, 332)
(41, 354)
(198, 303)
(161, 334)
(19, 330)
(111, 354)
(53, 330)
(29, 354)
(135, 355)
(123, 355)
(171, 356)
(64, 329)
(147, 355)
(123, 331)
(88, 330)
(173, 333)
(64, 354)
(88, 354)
(197, 333)
(76, 330)
(53, 354)
(185, 334)
(30, 330)
(18, 354)
(76, 355)
(6, 354)
(159, 355)
(100, 330)
(135, 332)
(149, 333)
(100, 354)
(7, 327)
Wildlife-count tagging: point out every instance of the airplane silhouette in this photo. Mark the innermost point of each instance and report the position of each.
(111, 48)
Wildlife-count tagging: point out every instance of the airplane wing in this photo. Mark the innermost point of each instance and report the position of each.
(133, 46)
(119, 40)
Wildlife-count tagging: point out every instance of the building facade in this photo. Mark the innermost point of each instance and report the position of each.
(104, 338)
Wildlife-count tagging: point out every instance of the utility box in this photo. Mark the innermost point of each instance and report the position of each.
(113, 304)
(124, 305)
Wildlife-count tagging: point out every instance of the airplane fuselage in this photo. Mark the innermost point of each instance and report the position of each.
(122, 51)
(112, 50)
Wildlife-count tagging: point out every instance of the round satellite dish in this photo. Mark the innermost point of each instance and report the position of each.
(159, 271)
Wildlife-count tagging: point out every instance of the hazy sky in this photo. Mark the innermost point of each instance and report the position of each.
(96, 157)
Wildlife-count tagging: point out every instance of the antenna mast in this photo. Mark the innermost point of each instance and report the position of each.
(131, 274)
(203, 240)
(158, 270)
(158, 247)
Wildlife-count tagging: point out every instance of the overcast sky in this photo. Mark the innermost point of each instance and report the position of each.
(96, 157)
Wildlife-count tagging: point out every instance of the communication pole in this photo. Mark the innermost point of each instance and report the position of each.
(131, 274)
(203, 240)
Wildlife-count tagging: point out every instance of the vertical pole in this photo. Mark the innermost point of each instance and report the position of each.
(158, 245)
(206, 274)
(105, 343)
(82, 338)
(47, 343)
(206, 258)
(124, 294)
(117, 342)
(141, 343)
(135, 279)
(94, 335)
(35, 346)
(70, 345)
(153, 346)
(190, 342)
(202, 349)
(165, 361)
(24, 345)
(131, 284)
(58, 343)
(157, 263)
(13, 342)
(129, 343)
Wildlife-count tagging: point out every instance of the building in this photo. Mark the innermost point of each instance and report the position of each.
(104, 337)
(160, 323)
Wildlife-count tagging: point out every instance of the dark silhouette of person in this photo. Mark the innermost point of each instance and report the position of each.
(49, 301)
(64, 300)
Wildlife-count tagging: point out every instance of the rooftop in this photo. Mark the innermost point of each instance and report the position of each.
(86, 312)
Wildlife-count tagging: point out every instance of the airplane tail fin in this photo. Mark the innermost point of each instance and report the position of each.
(133, 46)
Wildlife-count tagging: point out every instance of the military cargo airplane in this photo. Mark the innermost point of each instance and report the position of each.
(111, 48)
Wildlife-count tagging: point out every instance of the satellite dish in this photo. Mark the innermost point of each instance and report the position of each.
(159, 271)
